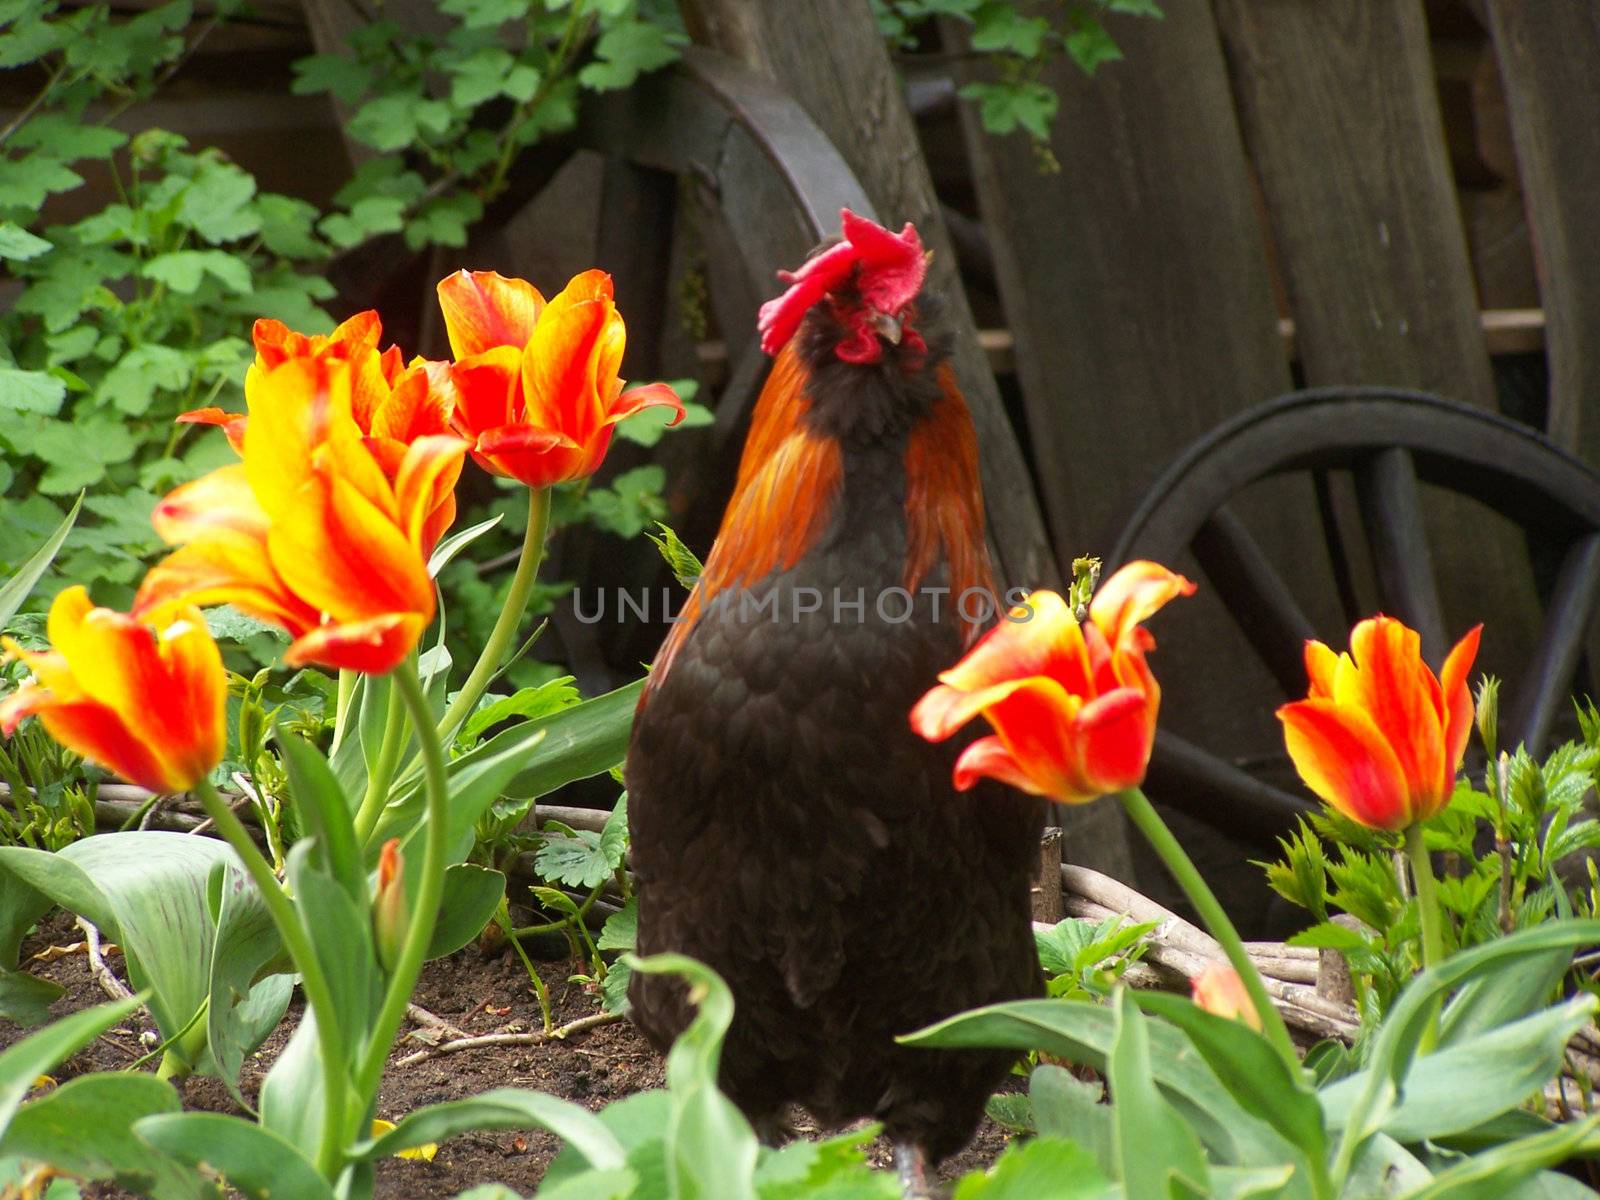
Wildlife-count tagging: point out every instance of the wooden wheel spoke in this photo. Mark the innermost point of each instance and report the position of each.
(1256, 596)
(1199, 783)
(1391, 510)
(1547, 681)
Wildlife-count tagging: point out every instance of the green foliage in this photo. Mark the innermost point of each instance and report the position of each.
(1508, 851)
(1016, 40)
(1087, 958)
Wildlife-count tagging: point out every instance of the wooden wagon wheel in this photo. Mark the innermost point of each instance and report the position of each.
(1391, 441)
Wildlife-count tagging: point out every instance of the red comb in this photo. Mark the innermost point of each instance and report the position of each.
(892, 271)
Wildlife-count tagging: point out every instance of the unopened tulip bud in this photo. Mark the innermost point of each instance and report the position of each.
(1219, 990)
(390, 917)
(1489, 715)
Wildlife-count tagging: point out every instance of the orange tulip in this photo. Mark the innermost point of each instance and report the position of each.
(1073, 707)
(391, 918)
(537, 387)
(1219, 990)
(309, 532)
(1379, 737)
(393, 405)
(144, 697)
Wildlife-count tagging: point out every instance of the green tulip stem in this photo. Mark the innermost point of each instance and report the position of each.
(341, 707)
(1143, 814)
(1427, 898)
(511, 612)
(377, 793)
(424, 906)
(330, 1036)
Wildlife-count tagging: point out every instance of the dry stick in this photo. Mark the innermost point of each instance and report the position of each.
(423, 1017)
(536, 1038)
(103, 975)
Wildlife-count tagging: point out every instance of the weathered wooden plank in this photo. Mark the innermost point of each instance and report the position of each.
(1340, 114)
(1134, 277)
(810, 49)
(1550, 65)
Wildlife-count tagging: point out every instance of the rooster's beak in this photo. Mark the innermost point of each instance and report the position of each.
(888, 327)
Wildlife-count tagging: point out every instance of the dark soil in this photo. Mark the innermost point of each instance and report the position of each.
(477, 993)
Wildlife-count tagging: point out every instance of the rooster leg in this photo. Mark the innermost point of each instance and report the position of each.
(912, 1166)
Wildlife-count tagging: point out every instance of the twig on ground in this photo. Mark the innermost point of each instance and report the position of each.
(485, 1040)
(432, 1021)
(103, 975)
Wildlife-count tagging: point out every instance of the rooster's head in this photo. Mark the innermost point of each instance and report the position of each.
(870, 278)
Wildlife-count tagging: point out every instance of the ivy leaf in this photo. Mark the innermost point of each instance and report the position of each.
(31, 391)
(183, 270)
(479, 76)
(343, 78)
(486, 14)
(216, 204)
(68, 139)
(374, 215)
(1005, 106)
(18, 245)
(624, 52)
(288, 227)
(443, 222)
(585, 859)
(388, 123)
(632, 504)
(1136, 8)
(132, 384)
(1000, 28)
(1089, 45)
(26, 181)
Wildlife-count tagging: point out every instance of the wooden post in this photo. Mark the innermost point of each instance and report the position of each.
(1550, 67)
(1341, 116)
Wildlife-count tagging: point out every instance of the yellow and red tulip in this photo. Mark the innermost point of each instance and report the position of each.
(537, 389)
(144, 697)
(310, 532)
(1380, 737)
(1073, 706)
(393, 404)
(1220, 991)
(391, 917)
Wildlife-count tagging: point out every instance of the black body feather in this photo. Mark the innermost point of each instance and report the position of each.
(790, 830)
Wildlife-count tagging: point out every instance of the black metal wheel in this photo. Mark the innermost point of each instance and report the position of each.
(1372, 455)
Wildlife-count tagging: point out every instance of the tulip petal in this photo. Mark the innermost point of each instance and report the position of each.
(1458, 702)
(374, 646)
(650, 395)
(426, 480)
(488, 391)
(1112, 738)
(232, 424)
(1402, 697)
(483, 309)
(1322, 665)
(1038, 637)
(1132, 595)
(97, 733)
(988, 756)
(569, 368)
(1345, 759)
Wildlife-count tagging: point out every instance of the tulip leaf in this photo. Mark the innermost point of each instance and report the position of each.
(474, 786)
(711, 1150)
(636, 1122)
(501, 1108)
(458, 541)
(292, 1094)
(1493, 1174)
(1250, 1069)
(25, 1061)
(340, 930)
(1155, 1146)
(1460, 1087)
(148, 890)
(1502, 996)
(1081, 1032)
(1045, 1166)
(257, 1163)
(26, 999)
(241, 1012)
(327, 814)
(586, 739)
(1065, 1106)
(55, 1128)
(1395, 1047)
(16, 590)
(471, 895)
